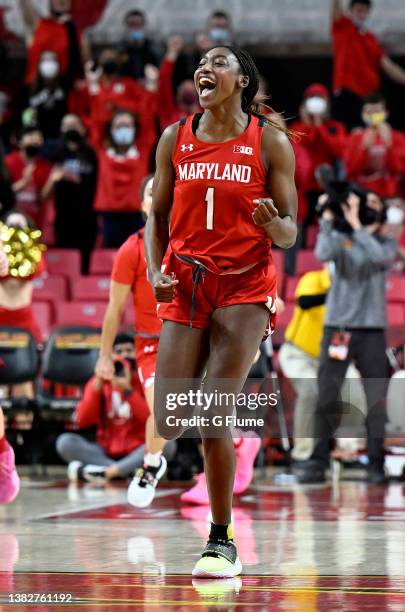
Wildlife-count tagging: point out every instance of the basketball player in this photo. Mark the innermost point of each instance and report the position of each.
(215, 174)
(129, 274)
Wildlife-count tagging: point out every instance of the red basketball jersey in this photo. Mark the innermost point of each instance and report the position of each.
(130, 269)
(215, 186)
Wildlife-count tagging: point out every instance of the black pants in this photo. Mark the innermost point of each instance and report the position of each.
(117, 227)
(347, 108)
(367, 349)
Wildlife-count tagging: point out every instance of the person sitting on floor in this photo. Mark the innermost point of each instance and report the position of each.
(119, 411)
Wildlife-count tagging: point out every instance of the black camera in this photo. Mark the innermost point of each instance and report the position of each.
(338, 193)
(119, 369)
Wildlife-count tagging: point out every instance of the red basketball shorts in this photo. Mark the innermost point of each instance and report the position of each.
(145, 353)
(212, 291)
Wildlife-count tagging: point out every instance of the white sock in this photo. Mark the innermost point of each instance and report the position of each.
(152, 459)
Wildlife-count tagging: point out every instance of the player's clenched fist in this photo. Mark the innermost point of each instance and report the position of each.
(265, 212)
(164, 287)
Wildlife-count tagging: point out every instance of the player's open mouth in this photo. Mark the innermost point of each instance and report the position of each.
(205, 87)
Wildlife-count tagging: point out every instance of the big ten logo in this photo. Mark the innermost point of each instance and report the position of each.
(243, 149)
(119, 409)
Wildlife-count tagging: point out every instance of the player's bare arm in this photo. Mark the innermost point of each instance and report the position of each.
(278, 214)
(157, 226)
(119, 294)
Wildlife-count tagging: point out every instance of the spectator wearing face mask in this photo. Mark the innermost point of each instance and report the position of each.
(56, 33)
(375, 155)
(173, 106)
(29, 172)
(47, 100)
(323, 138)
(218, 32)
(123, 163)
(137, 50)
(109, 92)
(72, 183)
(358, 61)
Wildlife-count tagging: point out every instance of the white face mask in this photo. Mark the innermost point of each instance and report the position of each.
(316, 105)
(48, 68)
(395, 215)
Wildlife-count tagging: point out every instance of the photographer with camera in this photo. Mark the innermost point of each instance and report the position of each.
(350, 237)
(119, 411)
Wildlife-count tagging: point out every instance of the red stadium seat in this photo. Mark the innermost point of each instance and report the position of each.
(81, 313)
(65, 262)
(91, 288)
(52, 289)
(283, 319)
(291, 285)
(396, 289)
(307, 262)
(312, 232)
(396, 314)
(102, 261)
(43, 316)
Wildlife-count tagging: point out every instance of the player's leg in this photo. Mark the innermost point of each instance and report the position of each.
(142, 489)
(181, 357)
(235, 335)
(9, 480)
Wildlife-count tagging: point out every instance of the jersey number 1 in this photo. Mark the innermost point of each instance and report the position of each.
(209, 198)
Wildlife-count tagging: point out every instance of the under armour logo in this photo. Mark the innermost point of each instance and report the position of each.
(189, 147)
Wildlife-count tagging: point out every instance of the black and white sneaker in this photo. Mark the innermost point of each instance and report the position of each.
(75, 471)
(95, 474)
(142, 488)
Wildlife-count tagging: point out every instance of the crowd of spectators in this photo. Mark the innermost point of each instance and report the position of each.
(78, 139)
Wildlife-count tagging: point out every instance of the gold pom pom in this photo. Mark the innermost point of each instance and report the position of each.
(23, 249)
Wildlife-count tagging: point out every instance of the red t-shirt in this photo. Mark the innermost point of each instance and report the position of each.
(125, 417)
(324, 144)
(357, 58)
(119, 180)
(130, 269)
(215, 186)
(379, 167)
(50, 35)
(121, 94)
(29, 200)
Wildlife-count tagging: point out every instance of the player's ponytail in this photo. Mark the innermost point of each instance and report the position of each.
(250, 102)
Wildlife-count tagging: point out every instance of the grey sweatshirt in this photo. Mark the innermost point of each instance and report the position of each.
(357, 295)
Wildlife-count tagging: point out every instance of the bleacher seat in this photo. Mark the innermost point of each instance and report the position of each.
(291, 286)
(311, 234)
(44, 317)
(68, 362)
(283, 319)
(396, 314)
(307, 262)
(81, 313)
(50, 289)
(91, 288)
(102, 261)
(396, 289)
(65, 262)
